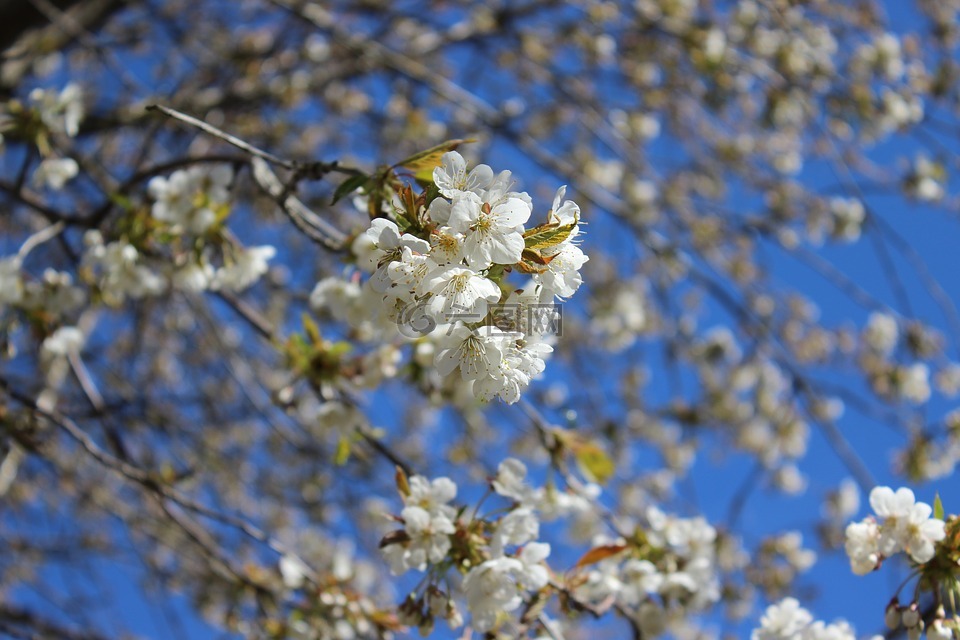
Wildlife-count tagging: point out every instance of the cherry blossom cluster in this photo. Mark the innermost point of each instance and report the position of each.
(49, 301)
(787, 620)
(443, 275)
(500, 559)
(47, 115)
(188, 207)
(919, 530)
(909, 382)
(666, 573)
(904, 525)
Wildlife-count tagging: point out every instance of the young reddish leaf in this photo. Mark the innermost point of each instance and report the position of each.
(394, 537)
(597, 554)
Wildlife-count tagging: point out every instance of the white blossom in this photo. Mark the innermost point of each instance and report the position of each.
(387, 245)
(429, 537)
(54, 173)
(121, 271)
(510, 482)
(61, 112)
(785, 620)
(863, 546)
(459, 294)
(452, 178)
(881, 333)
(63, 342)
(11, 281)
(245, 268)
(490, 588)
(432, 495)
(562, 277)
(492, 229)
(476, 352)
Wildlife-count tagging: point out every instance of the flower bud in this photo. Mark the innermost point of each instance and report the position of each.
(891, 616)
(911, 616)
(914, 633)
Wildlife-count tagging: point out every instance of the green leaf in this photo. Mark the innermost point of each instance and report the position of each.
(348, 186)
(403, 224)
(937, 507)
(343, 451)
(547, 235)
(423, 163)
(311, 329)
(400, 477)
(593, 461)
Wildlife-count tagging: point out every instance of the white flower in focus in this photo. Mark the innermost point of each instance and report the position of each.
(249, 263)
(452, 179)
(459, 294)
(492, 229)
(893, 507)
(918, 532)
(429, 537)
(863, 546)
(388, 244)
(525, 313)
(562, 277)
(565, 212)
(365, 250)
(406, 274)
(446, 246)
(518, 366)
(54, 173)
(477, 352)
